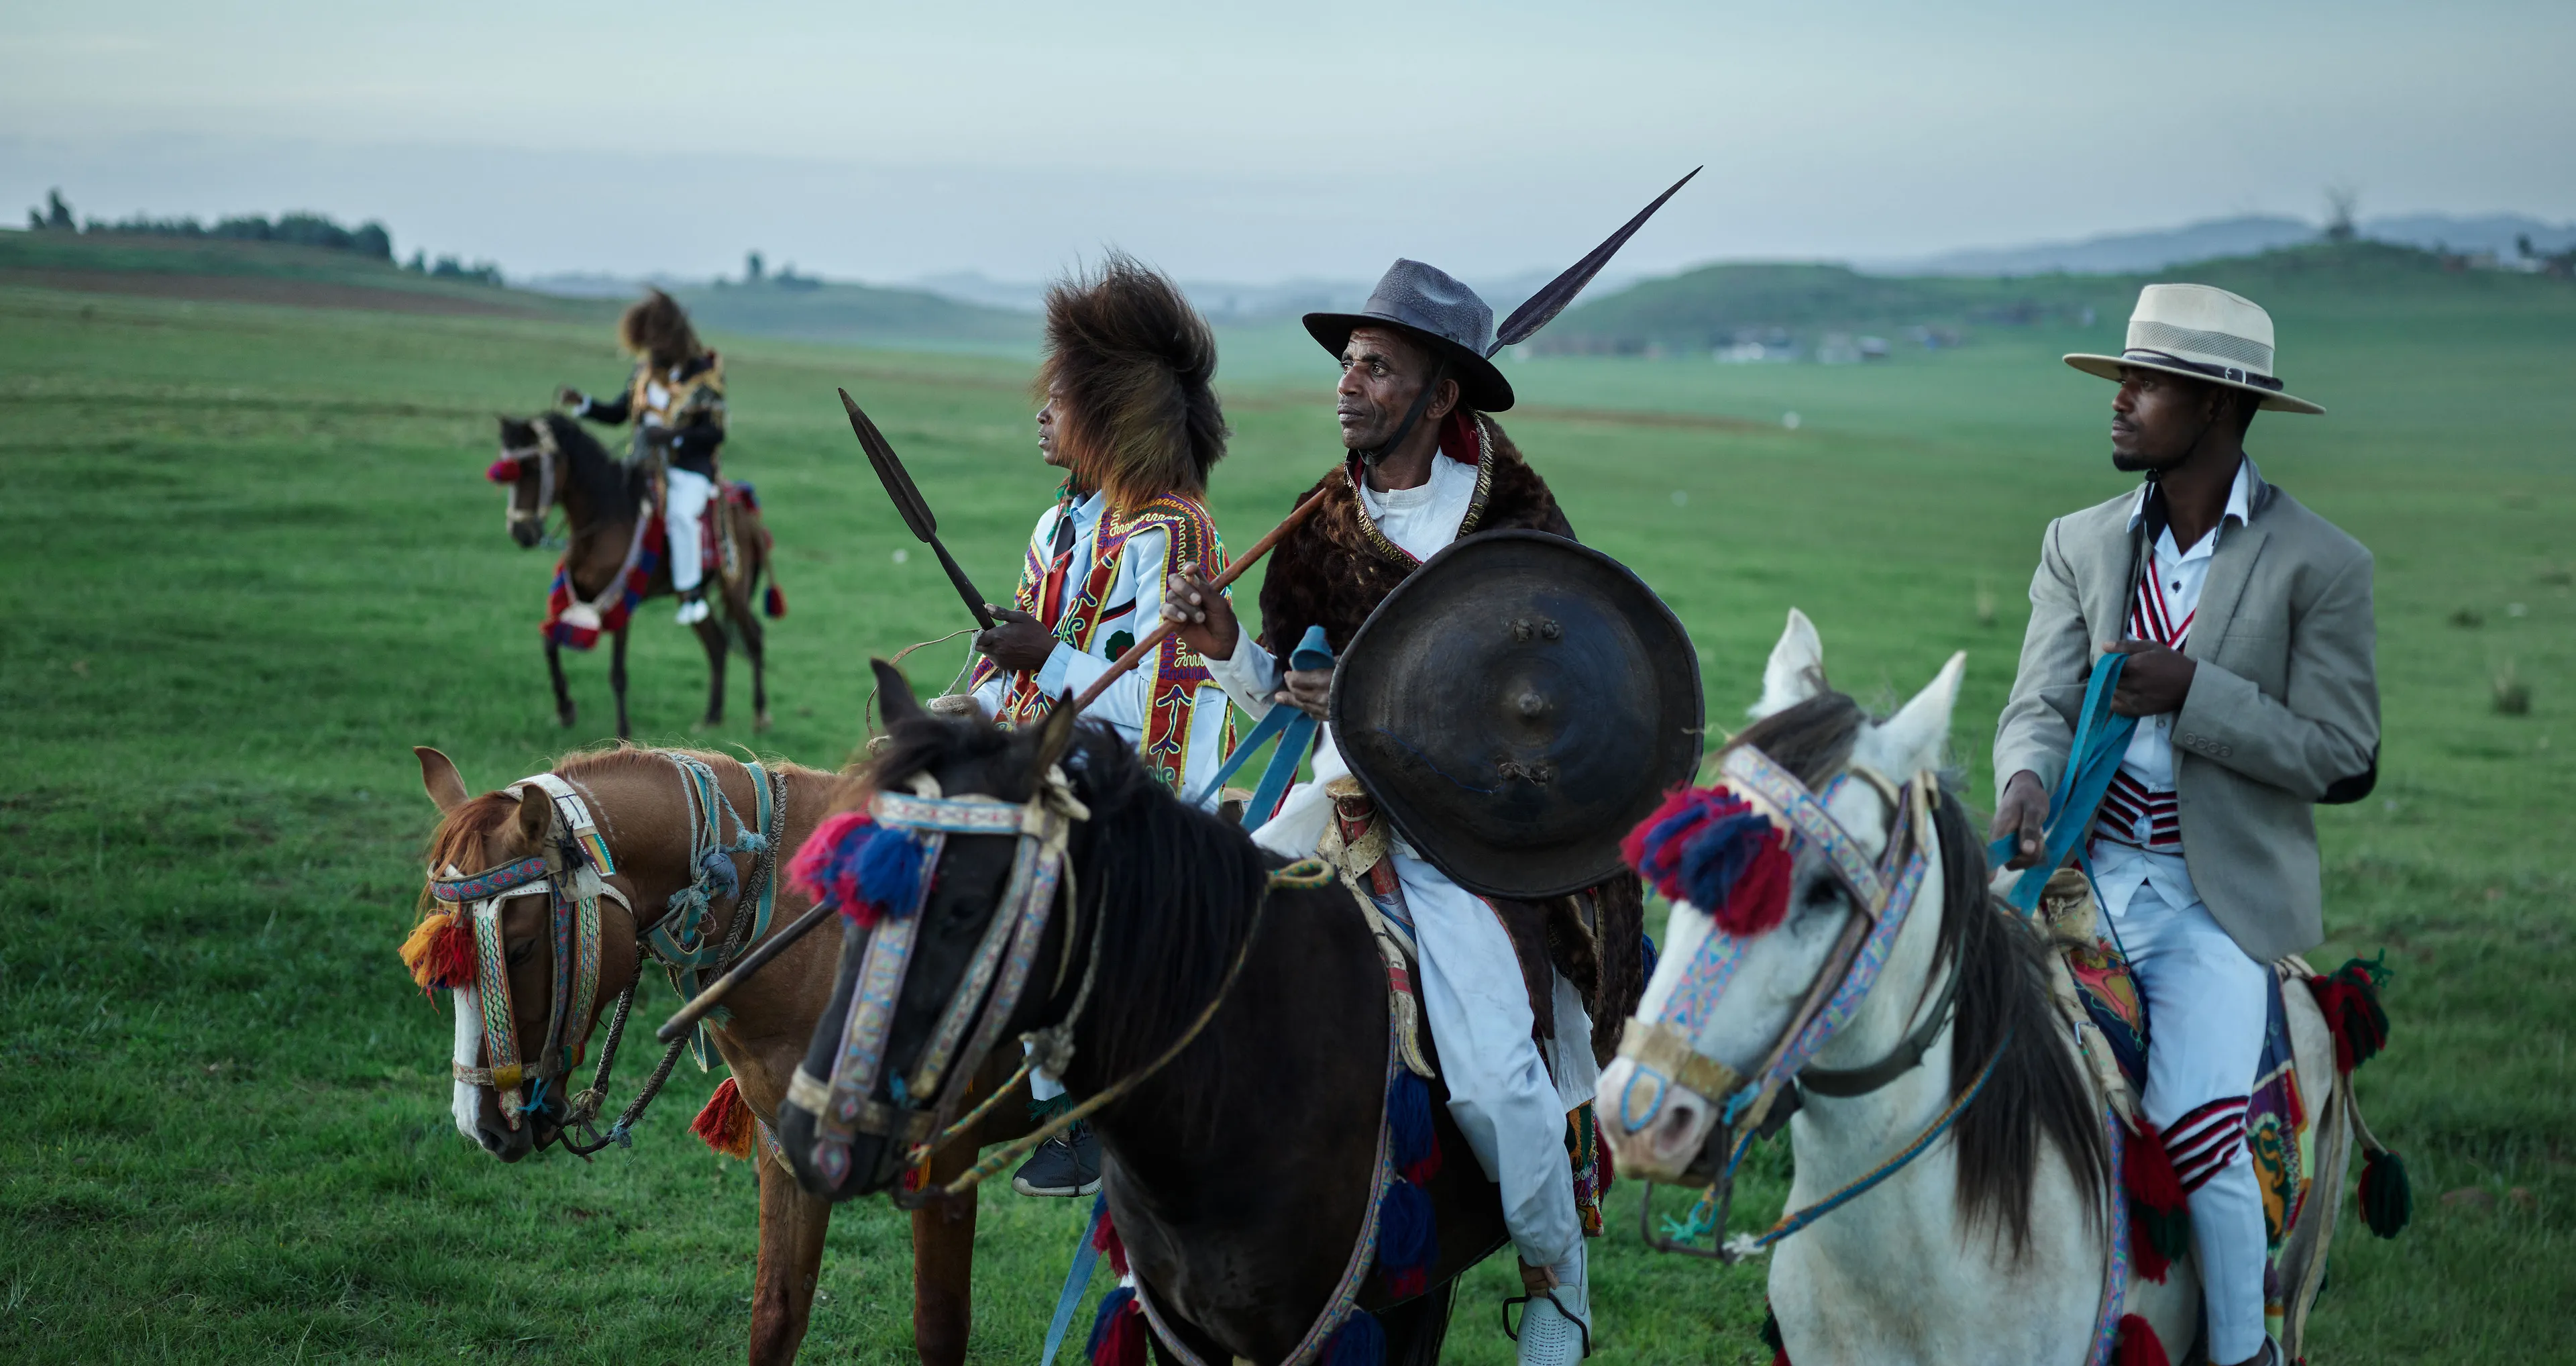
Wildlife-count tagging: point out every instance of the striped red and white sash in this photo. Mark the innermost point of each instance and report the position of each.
(2130, 802)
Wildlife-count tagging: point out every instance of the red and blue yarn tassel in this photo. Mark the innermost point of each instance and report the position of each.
(504, 471)
(2349, 997)
(2138, 1344)
(1771, 1336)
(1360, 1341)
(773, 604)
(2387, 1198)
(725, 1123)
(1118, 1330)
(2159, 1216)
(1408, 1236)
(1104, 1237)
(870, 871)
(440, 953)
(1711, 848)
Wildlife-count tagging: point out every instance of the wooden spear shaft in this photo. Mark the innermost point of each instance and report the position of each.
(1146, 643)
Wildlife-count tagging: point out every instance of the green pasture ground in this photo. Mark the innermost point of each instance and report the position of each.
(251, 560)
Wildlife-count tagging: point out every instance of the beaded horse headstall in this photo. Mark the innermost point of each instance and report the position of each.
(513, 463)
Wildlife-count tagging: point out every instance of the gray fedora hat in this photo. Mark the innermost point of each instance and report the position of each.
(1432, 306)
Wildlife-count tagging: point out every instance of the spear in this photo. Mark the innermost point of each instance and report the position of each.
(1146, 643)
(908, 502)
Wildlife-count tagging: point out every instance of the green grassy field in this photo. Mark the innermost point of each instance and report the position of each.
(253, 560)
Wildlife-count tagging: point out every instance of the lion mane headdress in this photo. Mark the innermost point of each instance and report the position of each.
(1133, 366)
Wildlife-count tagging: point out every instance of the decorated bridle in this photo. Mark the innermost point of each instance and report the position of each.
(512, 464)
(1728, 848)
(877, 866)
(569, 872)
(464, 949)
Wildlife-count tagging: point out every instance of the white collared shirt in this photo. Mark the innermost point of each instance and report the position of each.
(2121, 863)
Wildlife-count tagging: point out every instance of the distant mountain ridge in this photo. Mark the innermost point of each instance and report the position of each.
(2497, 234)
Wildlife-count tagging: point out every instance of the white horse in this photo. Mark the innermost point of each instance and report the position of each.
(1991, 1247)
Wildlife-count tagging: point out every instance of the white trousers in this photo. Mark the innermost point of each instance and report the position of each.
(685, 496)
(2206, 1014)
(1500, 1093)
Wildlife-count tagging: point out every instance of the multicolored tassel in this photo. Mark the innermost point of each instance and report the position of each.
(2349, 997)
(725, 1124)
(1104, 1237)
(2159, 1217)
(1118, 1330)
(773, 604)
(2139, 1345)
(504, 471)
(870, 871)
(440, 953)
(1713, 849)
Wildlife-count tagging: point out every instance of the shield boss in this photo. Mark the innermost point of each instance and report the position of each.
(1515, 706)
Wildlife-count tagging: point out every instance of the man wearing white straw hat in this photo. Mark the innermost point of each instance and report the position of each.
(2246, 620)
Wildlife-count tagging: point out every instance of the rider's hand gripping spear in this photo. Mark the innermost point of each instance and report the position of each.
(1534, 313)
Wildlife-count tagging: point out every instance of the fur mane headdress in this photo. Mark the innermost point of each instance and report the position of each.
(1131, 365)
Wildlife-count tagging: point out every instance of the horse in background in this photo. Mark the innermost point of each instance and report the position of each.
(615, 558)
(639, 801)
(1999, 1242)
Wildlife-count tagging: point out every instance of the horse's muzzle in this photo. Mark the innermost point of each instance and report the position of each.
(526, 533)
(1658, 1130)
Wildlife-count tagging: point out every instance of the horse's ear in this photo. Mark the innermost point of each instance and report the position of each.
(1797, 668)
(438, 774)
(894, 694)
(536, 815)
(1055, 733)
(1911, 740)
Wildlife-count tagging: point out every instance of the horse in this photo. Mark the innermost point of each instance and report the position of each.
(1995, 1244)
(550, 461)
(649, 827)
(1231, 1029)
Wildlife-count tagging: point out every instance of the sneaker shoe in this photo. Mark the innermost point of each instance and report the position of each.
(1067, 1165)
(692, 611)
(1556, 1327)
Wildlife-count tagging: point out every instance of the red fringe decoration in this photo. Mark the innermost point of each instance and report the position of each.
(725, 1124)
(773, 604)
(440, 953)
(503, 471)
(2139, 1345)
(2349, 997)
(1123, 1341)
(1104, 1237)
(2159, 1220)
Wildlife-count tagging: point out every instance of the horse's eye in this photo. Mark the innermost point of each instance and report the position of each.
(1820, 892)
(519, 952)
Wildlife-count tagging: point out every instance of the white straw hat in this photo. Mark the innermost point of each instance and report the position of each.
(2202, 333)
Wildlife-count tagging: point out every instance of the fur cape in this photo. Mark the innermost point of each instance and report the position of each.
(1132, 366)
(1335, 568)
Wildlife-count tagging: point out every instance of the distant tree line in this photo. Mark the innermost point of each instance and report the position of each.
(295, 229)
(368, 239)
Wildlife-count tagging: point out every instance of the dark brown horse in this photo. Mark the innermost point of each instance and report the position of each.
(637, 798)
(1237, 1175)
(549, 461)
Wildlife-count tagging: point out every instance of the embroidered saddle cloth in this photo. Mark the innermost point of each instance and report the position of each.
(2280, 1136)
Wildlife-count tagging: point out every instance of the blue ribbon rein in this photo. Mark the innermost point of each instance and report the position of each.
(2100, 741)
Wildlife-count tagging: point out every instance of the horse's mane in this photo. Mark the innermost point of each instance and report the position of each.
(612, 487)
(2002, 1000)
(1143, 850)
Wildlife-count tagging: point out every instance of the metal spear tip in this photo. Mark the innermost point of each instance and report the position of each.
(848, 404)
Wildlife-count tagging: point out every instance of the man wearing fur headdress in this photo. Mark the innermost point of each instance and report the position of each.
(676, 400)
(1425, 465)
(1129, 413)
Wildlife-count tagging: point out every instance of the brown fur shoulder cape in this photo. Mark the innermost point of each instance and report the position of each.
(1332, 570)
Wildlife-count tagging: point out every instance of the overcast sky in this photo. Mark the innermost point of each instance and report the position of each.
(1261, 143)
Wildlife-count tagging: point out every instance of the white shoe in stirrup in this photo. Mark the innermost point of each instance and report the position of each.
(1556, 1327)
(692, 611)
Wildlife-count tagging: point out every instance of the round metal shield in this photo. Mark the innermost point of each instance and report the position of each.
(1515, 706)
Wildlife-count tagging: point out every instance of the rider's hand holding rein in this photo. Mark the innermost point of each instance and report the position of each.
(2022, 810)
(2156, 681)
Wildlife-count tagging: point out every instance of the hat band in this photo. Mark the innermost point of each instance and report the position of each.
(2230, 373)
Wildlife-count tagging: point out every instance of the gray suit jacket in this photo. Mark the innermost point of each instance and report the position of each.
(2284, 704)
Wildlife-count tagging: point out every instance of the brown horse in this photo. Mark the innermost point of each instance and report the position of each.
(639, 800)
(549, 461)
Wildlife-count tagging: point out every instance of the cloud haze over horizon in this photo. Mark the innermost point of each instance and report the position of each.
(1015, 138)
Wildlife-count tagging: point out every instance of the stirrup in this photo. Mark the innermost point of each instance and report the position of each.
(1550, 1296)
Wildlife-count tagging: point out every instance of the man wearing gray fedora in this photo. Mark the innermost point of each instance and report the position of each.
(1425, 464)
(2246, 622)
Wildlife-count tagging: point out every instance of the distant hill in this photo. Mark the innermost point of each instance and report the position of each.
(860, 315)
(1781, 311)
(217, 268)
(2497, 234)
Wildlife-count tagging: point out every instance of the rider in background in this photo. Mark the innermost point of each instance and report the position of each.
(676, 400)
